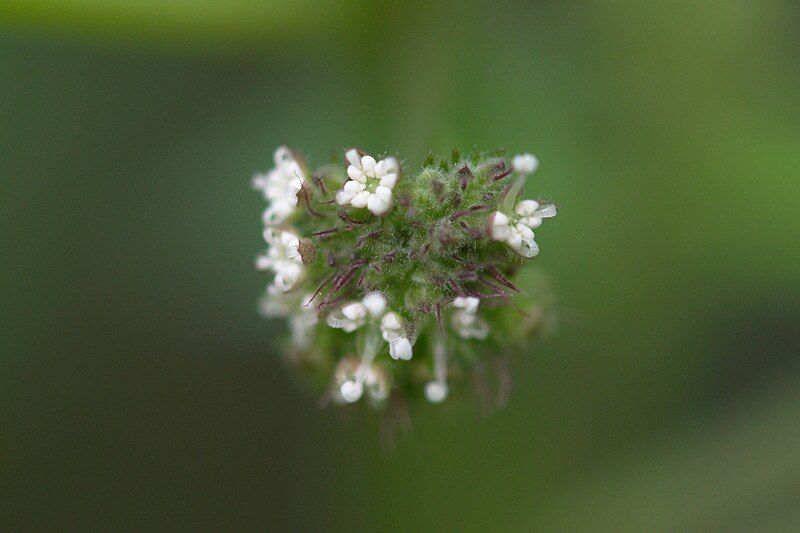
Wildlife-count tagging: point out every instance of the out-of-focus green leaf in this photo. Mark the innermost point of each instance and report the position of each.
(208, 24)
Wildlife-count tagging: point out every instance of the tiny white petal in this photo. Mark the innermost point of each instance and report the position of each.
(289, 239)
(390, 321)
(499, 230)
(278, 211)
(368, 164)
(400, 348)
(361, 199)
(354, 311)
(547, 210)
(375, 303)
(259, 182)
(351, 391)
(529, 249)
(293, 252)
(391, 327)
(525, 163)
(380, 202)
(527, 207)
(387, 166)
(344, 197)
(533, 221)
(348, 318)
(389, 180)
(356, 174)
(354, 186)
(514, 239)
(377, 206)
(263, 262)
(282, 154)
(468, 303)
(336, 321)
(499, 219)
(435, 391)
(294, 187)
(525, 232)
(286, 275)
(353, 158)
(384, 193)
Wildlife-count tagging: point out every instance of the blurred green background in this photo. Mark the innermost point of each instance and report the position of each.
(140, 388)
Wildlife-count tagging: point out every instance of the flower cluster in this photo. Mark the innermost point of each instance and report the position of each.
(280, 186)
(392, 284)
(371, 182)
(517, 229)
(283, 258)
(353, 315)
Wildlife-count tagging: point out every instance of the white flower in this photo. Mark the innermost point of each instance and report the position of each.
(354, 376)
(400, 348)
(525, 163)
(377, 385)
(280, 186)
(370, 184)
(351, 390)
(518, 232)
(349, 318)
(532, 212)
(435, 391)
(468, 303)
(466, 321)
(286, 276)
(521, 240)
(394, 333)
(278, 211)
(283, 258)
(499, 229)
(375, 302)
(355, 314)
(391, 328)
(518, 236)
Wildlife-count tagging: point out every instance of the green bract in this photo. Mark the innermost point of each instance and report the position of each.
(395, 282)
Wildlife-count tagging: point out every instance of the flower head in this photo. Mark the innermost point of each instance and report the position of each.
(408, 291)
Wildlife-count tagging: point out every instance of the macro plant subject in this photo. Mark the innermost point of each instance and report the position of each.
(396, 284)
